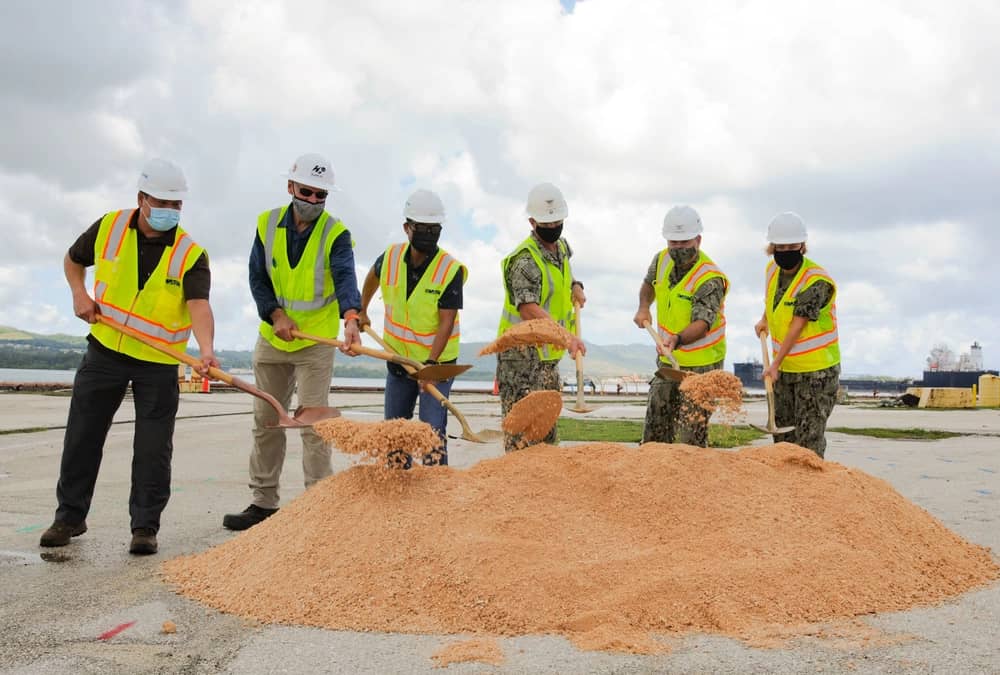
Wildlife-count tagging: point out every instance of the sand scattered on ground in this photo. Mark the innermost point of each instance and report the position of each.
(606, 544)
(483, 650)
(848, 635)
(534, 415)
(532, 332)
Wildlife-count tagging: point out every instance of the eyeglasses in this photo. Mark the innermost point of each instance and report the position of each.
(425, 228)
(306, 192)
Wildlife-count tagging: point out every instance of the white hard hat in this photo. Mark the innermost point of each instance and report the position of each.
(786, 228)
(423, 206)
(163, 180)
(681, 224)
(546, 204)
(313, 170)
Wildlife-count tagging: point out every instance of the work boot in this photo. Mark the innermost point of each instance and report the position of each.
(143, 541)
(247, 518)
(59, 533)
(399, 459)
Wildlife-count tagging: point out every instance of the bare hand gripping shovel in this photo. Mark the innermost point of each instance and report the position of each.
(769, 388)
(484, 436)
(303, 416)
(581, 406)
(432, 373)
(663, 372)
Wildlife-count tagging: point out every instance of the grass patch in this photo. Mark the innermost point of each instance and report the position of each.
(902, 434)
(630, 431)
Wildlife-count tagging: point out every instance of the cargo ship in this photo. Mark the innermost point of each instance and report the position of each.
(943, 370)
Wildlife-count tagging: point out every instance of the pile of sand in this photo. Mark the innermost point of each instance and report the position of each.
(534, 415)
(532, 332)
(606, 544)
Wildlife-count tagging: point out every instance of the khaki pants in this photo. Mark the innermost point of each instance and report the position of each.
(278, 373)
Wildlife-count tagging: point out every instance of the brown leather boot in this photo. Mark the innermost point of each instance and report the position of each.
(143, 541)
(59, 533)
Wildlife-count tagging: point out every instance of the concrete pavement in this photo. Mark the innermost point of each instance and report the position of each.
(54, 604)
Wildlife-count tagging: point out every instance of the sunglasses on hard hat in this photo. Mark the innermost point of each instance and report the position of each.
(308, 192)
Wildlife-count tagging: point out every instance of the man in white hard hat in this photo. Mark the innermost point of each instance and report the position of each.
(301, 278)
(690, 292)
(150, 275)
(800, 315)
(421, 286)
(538, 284)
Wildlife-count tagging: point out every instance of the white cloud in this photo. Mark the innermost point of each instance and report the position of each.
(866, 118)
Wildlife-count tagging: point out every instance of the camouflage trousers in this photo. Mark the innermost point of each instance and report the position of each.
(518, 376)
(805, 401)
(671, 417)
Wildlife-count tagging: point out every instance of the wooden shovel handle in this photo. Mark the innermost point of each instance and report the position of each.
(434, 391)
(360, 349)
(659, 341)
(184, 357)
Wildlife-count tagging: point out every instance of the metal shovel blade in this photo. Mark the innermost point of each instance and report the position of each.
(439, 372)
(674, 374)
(776, 430)
(481, 436)
(306, 416)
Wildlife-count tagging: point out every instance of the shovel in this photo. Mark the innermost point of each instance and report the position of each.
(484, 436)
(663, 372)
(303, 417)
(769, 388)
(580, 406)
(433, 373)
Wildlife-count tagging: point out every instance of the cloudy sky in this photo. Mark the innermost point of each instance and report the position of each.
(877, 122)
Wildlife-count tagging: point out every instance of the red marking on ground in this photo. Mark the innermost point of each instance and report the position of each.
(107, 635)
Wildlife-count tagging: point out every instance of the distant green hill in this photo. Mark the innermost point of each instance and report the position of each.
(24, 349)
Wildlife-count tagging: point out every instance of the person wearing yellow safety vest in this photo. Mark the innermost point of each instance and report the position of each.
(421, 288)
(301, 278)
(690, 292)
(800, 315)
(150, 275)
(538, 284)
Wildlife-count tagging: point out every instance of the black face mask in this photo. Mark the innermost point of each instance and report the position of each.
(425, 242)
(549, 235)
(788, 260)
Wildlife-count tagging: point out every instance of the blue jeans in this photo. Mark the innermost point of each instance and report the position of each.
(401, 394)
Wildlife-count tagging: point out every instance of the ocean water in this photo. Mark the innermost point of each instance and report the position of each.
(32, 375)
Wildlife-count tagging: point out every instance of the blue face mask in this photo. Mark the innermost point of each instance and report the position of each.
(162, 220)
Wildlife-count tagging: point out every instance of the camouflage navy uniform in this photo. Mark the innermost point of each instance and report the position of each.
(670, 416)
(805, 400)
(521, 371)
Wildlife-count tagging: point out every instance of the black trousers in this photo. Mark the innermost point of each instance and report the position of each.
(98, 390)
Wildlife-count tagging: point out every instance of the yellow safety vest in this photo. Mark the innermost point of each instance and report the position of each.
(673, 310)
(556, 298)
(411, 324)
(159, 310)
(818, 346)
(306, 293)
